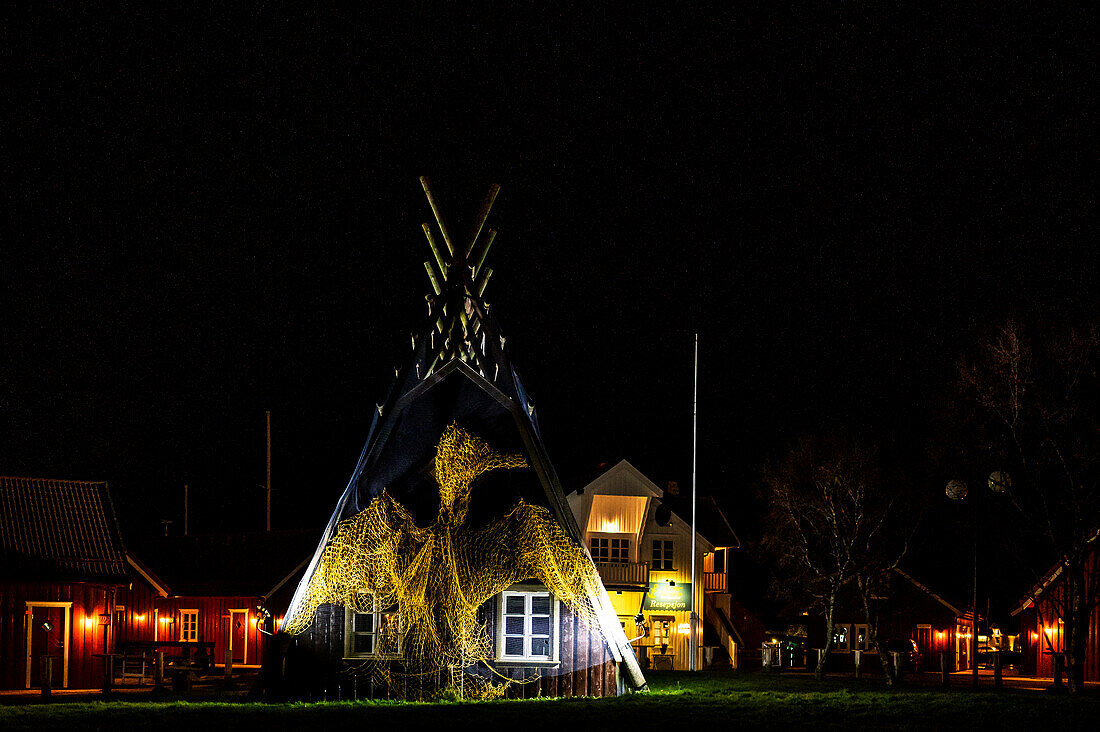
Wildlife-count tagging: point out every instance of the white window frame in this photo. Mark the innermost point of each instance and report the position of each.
(608, 549)
(667, 550)
(350, 633)
(526, 658)
(192, 631)
(854, 640)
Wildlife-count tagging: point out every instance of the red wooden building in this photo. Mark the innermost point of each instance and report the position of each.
(910, 615)
(208, 588)
(1042, 628)
(62, 566)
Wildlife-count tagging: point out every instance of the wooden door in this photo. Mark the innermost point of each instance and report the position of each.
(962, 647)
(47, 639)
(924, 643)
(238, 634)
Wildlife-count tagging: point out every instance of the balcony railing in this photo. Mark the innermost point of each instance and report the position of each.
(633, 574)
(714, 581)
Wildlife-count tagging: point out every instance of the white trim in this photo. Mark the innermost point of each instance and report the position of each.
(528, 594)
(244, 654)
(161, 589)
(349, 643)
(183, 624)
(68, 608)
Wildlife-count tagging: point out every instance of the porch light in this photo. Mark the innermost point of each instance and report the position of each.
(91, 621)
(140, 618)
(684, 627)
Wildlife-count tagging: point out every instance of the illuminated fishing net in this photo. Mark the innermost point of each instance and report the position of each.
(438, 575)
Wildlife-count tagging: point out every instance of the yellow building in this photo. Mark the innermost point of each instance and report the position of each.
(642, 550)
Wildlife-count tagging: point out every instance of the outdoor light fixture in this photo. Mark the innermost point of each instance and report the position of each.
(47, 626)
(91, 621)
(139, 618)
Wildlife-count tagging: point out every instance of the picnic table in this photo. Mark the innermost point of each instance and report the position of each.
(137, 659)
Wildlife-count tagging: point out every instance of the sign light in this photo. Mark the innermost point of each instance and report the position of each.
(663, 596)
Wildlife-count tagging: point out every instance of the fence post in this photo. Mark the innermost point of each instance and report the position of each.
(228, 664)
(108, 673)
(47, 676)
(859, 662)
(945, 676)
(997, 679)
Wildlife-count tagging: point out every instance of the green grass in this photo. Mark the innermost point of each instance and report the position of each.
(678, 702)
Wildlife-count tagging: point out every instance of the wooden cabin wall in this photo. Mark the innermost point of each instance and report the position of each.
(585, 668)
(213, 623)
(1033, 633)
(86, 636)
(138, 616)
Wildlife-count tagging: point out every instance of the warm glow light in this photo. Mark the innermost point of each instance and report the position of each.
(139, 618)
(610, 526)
(684, 627)
(91, 621)
(1049, 630)
(279, 622)
(1034, 635)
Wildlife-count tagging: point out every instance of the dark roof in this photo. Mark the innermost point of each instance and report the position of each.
(60, 530)
(242, 564)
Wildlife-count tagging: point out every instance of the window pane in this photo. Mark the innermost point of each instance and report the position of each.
(540, 626)
(540, 647)
(513, 625)
(363, 622)
(364, 644)
(540, 605)
(513, 605)
(513, 646)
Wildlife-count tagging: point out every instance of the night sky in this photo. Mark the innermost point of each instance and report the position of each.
(210, 216)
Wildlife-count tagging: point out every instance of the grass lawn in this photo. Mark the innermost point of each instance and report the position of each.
(678, 702)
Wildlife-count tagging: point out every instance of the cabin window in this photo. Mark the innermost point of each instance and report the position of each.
(860, 638)
(842, 638)
(662, 554)
(610, 551)
(189, 625)
(527, 623)
(373, 634)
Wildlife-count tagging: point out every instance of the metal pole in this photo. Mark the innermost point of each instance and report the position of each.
(974, 630)
(186, 508)
(269, 470)
(694, 643)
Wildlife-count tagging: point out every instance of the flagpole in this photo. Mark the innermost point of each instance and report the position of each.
(693, 658)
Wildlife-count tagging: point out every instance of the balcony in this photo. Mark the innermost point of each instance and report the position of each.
(714, 582)
(632, 575)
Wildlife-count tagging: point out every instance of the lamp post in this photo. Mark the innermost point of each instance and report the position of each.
(957, 490)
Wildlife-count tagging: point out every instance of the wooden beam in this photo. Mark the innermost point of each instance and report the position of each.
(483, 281)
(484, 251)
(482, 214)
(435, 251)
(432, 277)
(438, 216)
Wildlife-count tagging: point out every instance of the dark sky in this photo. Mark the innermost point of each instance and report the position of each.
(213, 215)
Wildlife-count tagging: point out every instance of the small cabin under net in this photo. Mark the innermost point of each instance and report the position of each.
(452, 565)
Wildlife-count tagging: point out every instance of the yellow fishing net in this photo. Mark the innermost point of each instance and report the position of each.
(440, 574)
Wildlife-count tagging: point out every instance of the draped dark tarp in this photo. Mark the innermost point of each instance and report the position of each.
(460, 374)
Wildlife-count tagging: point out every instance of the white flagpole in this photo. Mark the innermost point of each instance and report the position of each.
(693, 658)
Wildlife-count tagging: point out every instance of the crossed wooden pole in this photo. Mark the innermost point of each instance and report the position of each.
(458, 277)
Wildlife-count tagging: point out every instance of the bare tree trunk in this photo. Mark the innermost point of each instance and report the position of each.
(830, 611)
(1076, 627)
(888, 670)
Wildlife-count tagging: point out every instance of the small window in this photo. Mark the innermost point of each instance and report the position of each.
(527, 626)
(662, 554)
(620, 551)
(377, 634)
(599, 549)
(860, 638)
(841, 638)
(189, 625)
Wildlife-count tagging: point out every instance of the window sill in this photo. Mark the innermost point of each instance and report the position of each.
(529, 662)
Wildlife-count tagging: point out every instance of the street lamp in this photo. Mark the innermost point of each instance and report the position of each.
(957, 490)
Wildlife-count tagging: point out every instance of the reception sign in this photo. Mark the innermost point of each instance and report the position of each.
(672, 598)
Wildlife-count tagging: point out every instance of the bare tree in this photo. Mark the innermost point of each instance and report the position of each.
(829, 526)
(1038, 392)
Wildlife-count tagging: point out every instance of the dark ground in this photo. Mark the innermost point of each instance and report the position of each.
(747, 700)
